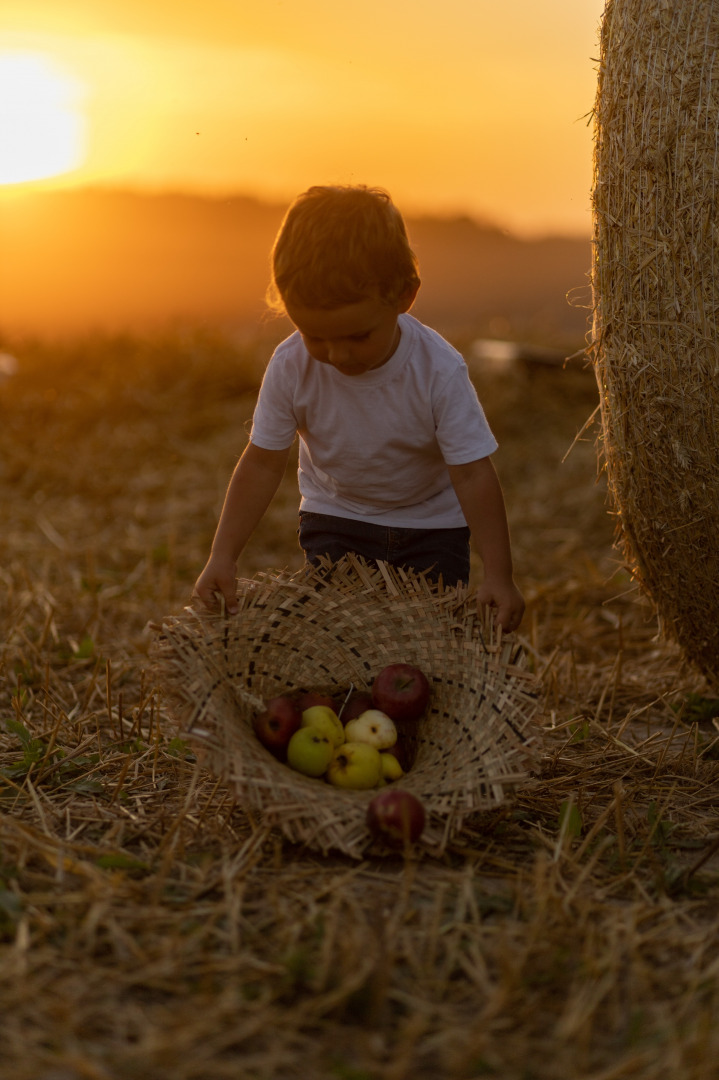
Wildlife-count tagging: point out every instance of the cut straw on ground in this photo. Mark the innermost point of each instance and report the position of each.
(151, 925)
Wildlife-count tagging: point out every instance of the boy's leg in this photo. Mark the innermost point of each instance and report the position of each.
(436, 551)
(442, 552)
(325, 534)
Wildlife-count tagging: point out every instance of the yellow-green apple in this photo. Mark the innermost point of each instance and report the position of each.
(359, 701)
(396, 817)
(355, 765)
(373, 727)
(309, 751)
(401, 691)
(391, 768)
(401, 751)
(326, 720)
(275, 726)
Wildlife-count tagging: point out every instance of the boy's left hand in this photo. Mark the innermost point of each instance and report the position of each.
(505, 599)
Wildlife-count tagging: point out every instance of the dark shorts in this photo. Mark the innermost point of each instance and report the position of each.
(437, 551)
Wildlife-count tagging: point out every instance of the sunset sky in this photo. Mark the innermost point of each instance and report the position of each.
(466, 106)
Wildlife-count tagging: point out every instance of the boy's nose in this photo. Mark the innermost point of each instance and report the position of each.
(337, 352)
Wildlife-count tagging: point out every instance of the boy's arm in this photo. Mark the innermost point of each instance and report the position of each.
(254, 482)
(480, 496)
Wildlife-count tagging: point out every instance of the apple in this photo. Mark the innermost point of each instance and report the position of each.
(309, 698)
(358, 702)
(401, 691)
(355, 765)
(396, 817)
(391, 768)
(326, 720)
(400, 750)
(309, 751)
(373, 727)
(277, 724)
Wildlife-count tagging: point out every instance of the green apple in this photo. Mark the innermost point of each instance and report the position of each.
(309, 751)
(391, 768)
(355, 765)
(324, 719)
(373, 727)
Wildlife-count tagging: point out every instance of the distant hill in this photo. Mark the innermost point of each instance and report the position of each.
(82, 260)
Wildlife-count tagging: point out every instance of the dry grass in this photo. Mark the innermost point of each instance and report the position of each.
(152, 928)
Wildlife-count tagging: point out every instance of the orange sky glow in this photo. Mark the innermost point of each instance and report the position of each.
(456, 106)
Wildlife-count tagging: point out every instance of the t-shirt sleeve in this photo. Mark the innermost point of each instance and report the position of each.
(274, 424)
(463, 433)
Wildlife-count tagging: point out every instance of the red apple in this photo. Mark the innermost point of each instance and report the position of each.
(275, 726)
(310, 698)
(401, 691)
(358, 702)
(395, 817)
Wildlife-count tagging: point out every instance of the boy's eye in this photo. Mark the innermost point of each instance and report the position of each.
(360, 337)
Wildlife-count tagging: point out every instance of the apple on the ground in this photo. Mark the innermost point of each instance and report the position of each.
(309, 751)
(326, 720)
(396, 817)
(355, 765)
(275, 726)
(402, 691)
(373, 727)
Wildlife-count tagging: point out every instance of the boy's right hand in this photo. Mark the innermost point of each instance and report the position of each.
(219, 576)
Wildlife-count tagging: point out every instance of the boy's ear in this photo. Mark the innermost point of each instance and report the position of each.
(407, 298)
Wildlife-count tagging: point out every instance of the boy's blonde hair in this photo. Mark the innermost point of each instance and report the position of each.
(339, 245)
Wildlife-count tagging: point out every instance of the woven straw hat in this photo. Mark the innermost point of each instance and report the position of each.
(326, 632)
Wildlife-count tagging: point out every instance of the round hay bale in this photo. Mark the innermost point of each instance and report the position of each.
(324, 632)
(656, 294)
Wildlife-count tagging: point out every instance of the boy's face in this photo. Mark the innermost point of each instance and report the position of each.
(353, 339)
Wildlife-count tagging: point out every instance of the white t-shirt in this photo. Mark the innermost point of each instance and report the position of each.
(375, 447)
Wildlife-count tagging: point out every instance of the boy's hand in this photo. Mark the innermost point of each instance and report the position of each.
(255, 480)
(480, 496)
(218, 577)
(506, 600)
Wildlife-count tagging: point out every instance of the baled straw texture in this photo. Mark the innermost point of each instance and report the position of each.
(656, 256)
(313, 632)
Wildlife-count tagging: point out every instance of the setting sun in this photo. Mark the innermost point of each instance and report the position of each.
(41, 125)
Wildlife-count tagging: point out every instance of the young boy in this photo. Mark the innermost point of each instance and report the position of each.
(394, 446)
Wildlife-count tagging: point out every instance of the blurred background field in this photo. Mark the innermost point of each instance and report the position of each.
(150, 927)
(108, 260)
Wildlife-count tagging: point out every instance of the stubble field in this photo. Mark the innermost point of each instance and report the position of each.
(150, 928)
